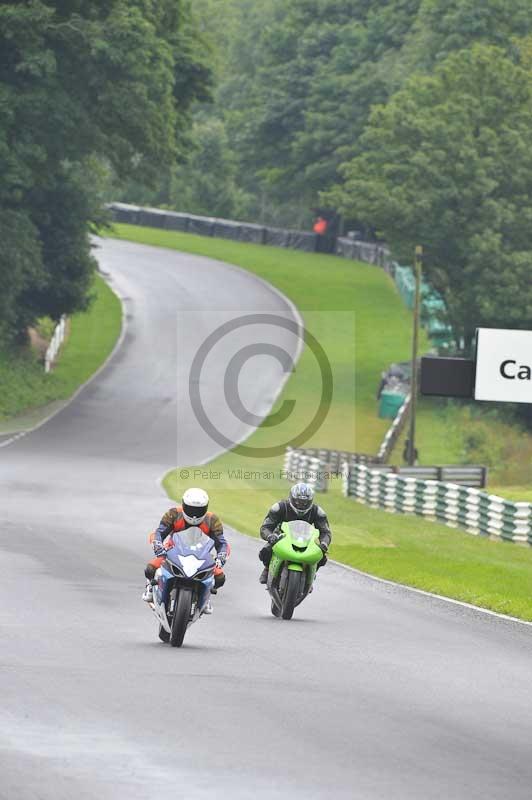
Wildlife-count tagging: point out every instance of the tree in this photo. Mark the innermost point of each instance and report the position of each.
(80, 82)
(319, 65)
(444, 26)
(448, 163)
(206, 183)
(20, 270)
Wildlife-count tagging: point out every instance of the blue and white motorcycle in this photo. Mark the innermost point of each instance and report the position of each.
(184, 583)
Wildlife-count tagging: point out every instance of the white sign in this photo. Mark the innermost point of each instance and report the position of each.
(504, 365)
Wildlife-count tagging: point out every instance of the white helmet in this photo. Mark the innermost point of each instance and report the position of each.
(195, 503)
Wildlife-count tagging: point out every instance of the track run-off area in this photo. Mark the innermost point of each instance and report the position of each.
(371, 691)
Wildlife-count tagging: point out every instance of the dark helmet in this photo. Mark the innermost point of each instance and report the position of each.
(301, 498)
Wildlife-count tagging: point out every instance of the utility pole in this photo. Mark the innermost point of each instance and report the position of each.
(411, 450)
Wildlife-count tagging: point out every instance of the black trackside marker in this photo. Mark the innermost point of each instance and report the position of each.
(447, 377)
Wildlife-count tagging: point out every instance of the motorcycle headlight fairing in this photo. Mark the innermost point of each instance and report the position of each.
(190, 564)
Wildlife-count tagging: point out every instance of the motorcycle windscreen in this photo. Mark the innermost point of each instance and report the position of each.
(301, 532)
(192, 541)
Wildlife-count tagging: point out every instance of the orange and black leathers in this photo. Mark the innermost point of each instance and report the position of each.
(174, 521)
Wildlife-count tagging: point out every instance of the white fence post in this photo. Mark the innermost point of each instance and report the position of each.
(57, 340)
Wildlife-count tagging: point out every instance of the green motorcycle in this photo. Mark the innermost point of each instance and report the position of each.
(293, 567)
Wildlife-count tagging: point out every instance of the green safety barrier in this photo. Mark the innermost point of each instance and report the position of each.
(432, 305)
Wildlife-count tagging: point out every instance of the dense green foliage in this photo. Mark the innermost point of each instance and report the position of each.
(448, 162)
(296, 79)
(84, 87)
(410, 117)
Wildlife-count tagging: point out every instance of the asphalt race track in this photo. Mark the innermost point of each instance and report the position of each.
(370, 692)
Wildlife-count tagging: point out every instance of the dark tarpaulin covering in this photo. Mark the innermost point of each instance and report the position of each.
(177, 222)
(210, 226)
(151, 217)
(227, 230)
(299, 240)
(202, 226)
(124, 213)
(275, 236)
(252, 233)
(369, 252)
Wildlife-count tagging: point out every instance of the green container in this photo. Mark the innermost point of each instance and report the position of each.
(390, 403)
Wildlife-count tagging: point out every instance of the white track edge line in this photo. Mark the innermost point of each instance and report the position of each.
(451, 600)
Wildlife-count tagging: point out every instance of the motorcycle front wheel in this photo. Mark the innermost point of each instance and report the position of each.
(181, 616)
(276, 611)
(291, 593)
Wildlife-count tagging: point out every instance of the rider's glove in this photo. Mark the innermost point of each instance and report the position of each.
(273, 538)
(220, 560)
(158, 548)
(324, 547)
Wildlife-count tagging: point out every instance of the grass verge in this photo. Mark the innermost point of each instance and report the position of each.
(93, 334)
(405, 549)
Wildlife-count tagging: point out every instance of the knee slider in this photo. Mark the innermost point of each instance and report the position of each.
(219, 580)
(149, 572)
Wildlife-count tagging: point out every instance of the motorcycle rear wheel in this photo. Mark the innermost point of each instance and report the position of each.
(181, 616)
(291, 593)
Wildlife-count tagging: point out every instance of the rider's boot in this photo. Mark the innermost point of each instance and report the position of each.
(264, 576)
(148, 592)
(208, 608)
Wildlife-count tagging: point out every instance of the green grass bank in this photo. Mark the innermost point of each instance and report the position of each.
(369, 328)
(26, 389)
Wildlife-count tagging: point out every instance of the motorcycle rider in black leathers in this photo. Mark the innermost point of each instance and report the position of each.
(299, 506)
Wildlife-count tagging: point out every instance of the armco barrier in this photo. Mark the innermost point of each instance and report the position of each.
(320, 464)
(331, 461)
(471, 475)
(458, 506)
